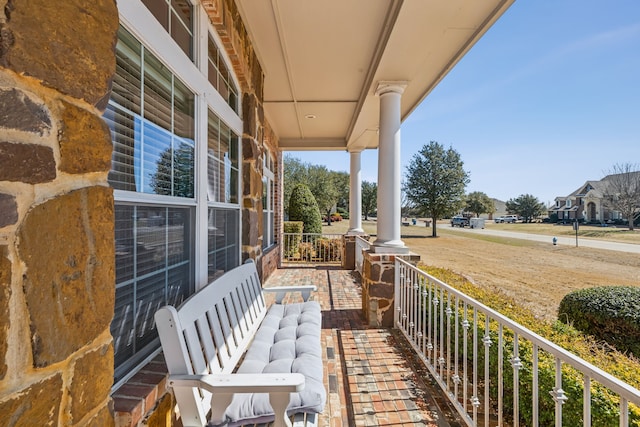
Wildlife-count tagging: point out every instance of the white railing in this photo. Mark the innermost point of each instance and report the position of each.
(312, 248)
(361, 245)
(497, 372)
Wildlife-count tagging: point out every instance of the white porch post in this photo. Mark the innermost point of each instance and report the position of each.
(355, 194)
(389, 174)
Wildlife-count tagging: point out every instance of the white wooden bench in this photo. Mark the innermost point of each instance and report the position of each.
(234, 361)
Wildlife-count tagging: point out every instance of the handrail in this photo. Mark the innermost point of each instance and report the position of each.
(444, 325)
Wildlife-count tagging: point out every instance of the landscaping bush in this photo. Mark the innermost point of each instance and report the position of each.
(329, 249)
(609, 313)
(303, 207)
(343, 212)
(604, 403)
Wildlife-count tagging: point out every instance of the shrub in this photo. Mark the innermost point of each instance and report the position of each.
(329, 249)
(609, 313)
(303, 207)
(343, 212)
(604, 403)
(336, 217)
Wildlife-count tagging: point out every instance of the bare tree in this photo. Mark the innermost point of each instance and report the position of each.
(622, 191)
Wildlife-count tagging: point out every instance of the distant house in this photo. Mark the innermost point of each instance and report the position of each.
(587, 204)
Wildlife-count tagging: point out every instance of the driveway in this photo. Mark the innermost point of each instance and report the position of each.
(565, 241)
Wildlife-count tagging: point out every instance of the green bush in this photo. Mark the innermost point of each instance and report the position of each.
(303, 207)
(609, 313)
(604, 403)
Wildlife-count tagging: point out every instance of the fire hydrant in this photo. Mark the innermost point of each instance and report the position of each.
(555, 241)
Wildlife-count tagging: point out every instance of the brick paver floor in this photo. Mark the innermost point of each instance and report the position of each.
(371, 375)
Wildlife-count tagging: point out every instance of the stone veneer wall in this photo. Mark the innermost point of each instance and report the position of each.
(378, 281)
(57, 280)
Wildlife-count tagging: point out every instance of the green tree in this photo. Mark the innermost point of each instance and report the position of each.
(435, 182)
(341, 180)
(321, 182)
(369, 198)
(303, 207)
(294, 172)
(479, 203)
(526, 206)
(174, 173)
(622, 191)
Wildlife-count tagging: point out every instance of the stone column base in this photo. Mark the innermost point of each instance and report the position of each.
(378, 277)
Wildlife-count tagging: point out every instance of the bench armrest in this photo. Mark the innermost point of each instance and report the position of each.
(223, 386)
(281, 291)
(241, 383)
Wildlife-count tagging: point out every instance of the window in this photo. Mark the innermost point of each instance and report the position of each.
(222, 162)
(176, 16)
(151, 115)
(223, 241)
(220, 77)
(268, 201)
(568, 203)
(153, 268)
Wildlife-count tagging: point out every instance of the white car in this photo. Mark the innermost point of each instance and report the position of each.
(507, 218)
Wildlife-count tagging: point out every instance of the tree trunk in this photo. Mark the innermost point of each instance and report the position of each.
(433, 227)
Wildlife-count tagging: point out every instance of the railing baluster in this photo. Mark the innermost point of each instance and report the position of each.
(424, 309)
(536, 386)
(558, 393)
(516, 364)
(449, 312)
(435, 327)
(586, 402)
(487, 379)
(624, 412)
(475, 401)
(500, 373)
(465, 358)
(456, 374)
(430, 338)
(442, 333)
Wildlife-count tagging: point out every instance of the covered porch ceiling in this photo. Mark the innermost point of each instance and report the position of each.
(322, 60)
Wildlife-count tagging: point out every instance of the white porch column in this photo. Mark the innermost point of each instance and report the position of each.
(389, 173)
(355, 194)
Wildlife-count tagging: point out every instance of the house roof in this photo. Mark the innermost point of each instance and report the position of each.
(323, 60)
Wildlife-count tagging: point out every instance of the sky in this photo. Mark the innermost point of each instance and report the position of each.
(548, 99)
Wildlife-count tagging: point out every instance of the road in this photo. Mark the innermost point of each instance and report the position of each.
(565, 241)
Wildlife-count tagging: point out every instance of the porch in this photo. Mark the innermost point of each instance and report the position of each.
(372, 376)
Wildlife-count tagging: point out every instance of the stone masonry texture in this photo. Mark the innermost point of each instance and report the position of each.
(67, 246)
(37, 405)
(29, 163)
(92, 380)
(63, 45)
(85, 142)
(8, 210)
(5, 293)
(19, 112)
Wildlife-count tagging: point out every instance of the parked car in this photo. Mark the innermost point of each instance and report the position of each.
(507, 218)
(459, 221)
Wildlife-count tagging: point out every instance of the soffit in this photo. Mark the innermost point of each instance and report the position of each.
(323, 59)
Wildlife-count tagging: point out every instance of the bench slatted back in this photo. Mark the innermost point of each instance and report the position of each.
(209, 333)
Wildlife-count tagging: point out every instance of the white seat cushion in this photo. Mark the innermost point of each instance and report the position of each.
(288, 341)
